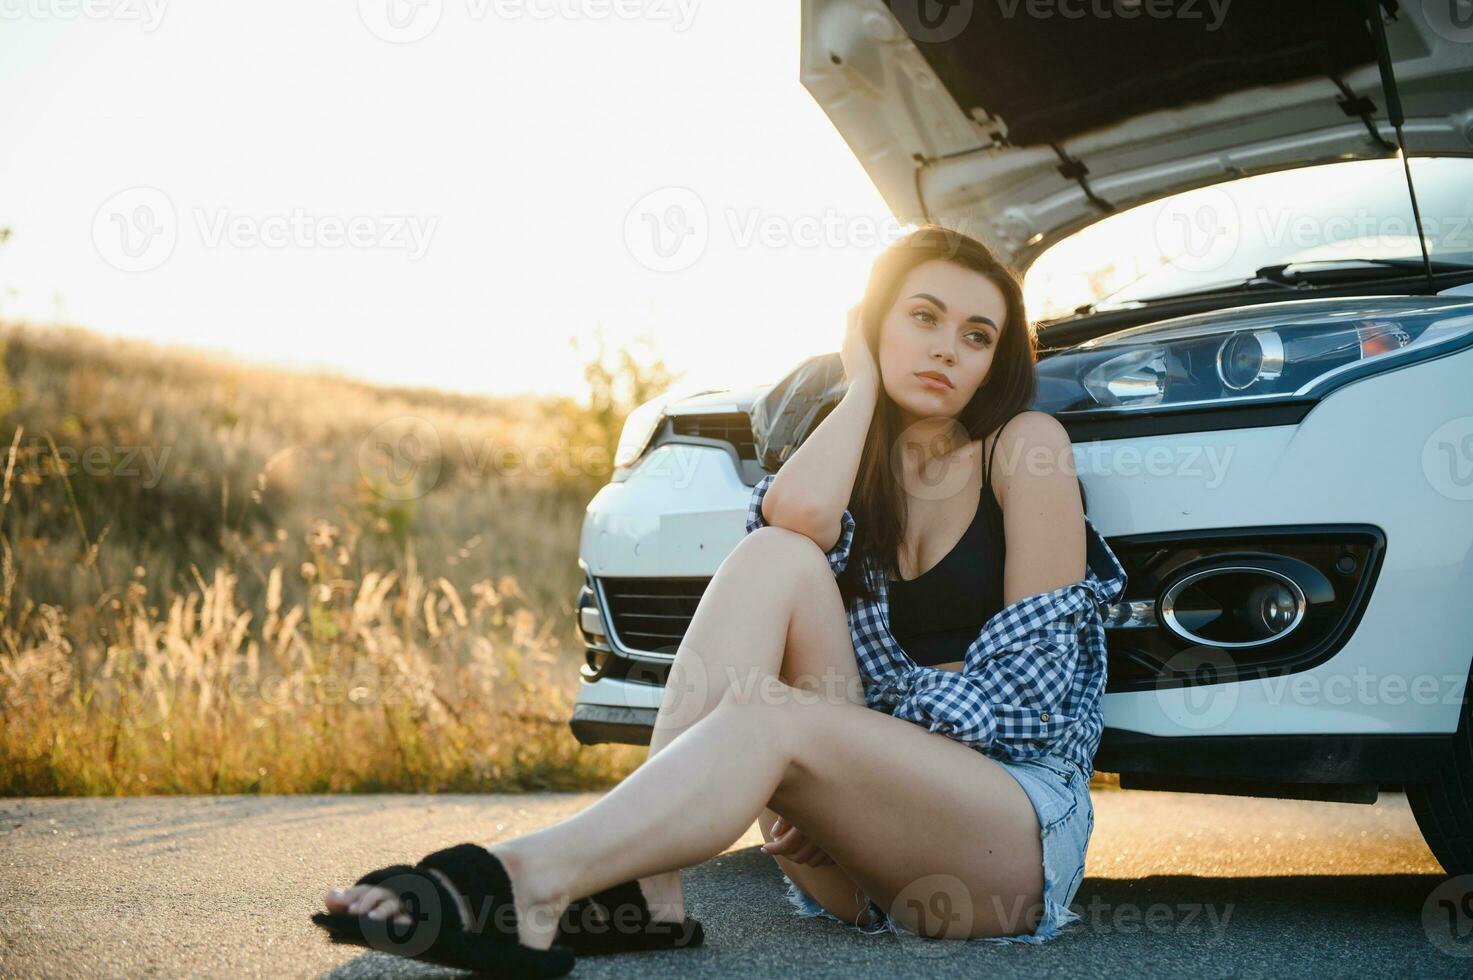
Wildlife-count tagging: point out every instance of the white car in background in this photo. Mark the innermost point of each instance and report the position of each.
(1274, 425)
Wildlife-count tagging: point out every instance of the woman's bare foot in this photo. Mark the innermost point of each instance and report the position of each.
(537, 903)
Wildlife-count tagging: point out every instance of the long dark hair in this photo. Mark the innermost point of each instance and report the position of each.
(878, 502)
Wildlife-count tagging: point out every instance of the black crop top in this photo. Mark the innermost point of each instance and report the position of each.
(936, 616)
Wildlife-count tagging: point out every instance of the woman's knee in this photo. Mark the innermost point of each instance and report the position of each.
(819, 653)
(782, 554)
(762, 698)
(772, 713)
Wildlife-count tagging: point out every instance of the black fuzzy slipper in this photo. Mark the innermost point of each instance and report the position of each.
(439, 934)
(617, 920)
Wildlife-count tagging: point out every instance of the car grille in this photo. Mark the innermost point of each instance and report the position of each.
(732, 427)
(651, 614)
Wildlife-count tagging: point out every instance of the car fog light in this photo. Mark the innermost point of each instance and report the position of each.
(1233, 606)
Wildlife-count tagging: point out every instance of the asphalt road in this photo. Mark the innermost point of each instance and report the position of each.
(1177, 884)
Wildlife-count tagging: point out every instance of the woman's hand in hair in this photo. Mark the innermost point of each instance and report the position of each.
(859, 362)
(790, 842)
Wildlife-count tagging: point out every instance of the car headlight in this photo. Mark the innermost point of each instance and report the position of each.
(639, 428)
(1272, 352)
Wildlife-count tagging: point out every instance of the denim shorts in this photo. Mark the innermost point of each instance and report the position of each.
(1059, 789)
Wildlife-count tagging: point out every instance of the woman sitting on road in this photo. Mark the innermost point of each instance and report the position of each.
(898, 671)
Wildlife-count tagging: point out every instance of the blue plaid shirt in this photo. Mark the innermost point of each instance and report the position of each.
(1032, 680)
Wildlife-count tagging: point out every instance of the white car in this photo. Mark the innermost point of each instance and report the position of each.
(1273, 423)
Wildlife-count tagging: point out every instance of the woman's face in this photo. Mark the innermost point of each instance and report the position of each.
(945, 319)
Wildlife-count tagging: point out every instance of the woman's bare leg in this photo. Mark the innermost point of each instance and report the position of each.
(856, 780)
(910, 812)
(801, 637)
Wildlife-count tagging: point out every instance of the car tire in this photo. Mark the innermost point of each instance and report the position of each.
(1444, 807)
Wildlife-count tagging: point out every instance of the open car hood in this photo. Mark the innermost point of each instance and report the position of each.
(1019, 128)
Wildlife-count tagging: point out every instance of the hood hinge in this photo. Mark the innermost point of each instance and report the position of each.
(1074, 169)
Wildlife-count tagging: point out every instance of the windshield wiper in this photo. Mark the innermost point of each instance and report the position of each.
(1303, 278)
(1347, 270)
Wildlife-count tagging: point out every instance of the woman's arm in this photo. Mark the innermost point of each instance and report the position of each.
(838, 554)
(811, 491)
(1043, 516)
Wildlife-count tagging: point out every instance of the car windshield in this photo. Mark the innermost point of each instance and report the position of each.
(1328, 215)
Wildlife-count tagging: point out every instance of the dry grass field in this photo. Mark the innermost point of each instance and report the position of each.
(220, 578)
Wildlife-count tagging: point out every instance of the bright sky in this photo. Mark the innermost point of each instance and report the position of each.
(444, 192)
(280, 181)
